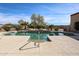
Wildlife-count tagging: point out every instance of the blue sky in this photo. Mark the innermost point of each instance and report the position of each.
(54, 13)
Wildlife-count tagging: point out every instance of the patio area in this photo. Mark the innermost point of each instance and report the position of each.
(60, 45)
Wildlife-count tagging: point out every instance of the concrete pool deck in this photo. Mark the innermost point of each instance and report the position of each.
(60, 45)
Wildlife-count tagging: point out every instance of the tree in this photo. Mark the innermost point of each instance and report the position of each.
(37, 21)
(33, 20)
(33, 17)
(7, 26)
(17, 27)
(50, 27)
(23, 24)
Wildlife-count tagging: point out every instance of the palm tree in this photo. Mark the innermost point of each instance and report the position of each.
(23, 24)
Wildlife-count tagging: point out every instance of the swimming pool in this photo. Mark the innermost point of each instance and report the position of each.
(40, 35)
(35, 36)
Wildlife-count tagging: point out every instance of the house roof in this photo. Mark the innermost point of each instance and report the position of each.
(75, 14)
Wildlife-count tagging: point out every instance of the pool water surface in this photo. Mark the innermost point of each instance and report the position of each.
(38, 35)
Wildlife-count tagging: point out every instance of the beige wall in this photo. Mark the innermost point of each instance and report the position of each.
(74, 18)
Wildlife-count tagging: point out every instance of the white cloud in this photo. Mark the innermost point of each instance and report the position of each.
(65, 20)
(6, 18)
(10, 18)
(63, 9)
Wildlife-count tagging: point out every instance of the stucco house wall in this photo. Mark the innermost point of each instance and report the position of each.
(74, 18)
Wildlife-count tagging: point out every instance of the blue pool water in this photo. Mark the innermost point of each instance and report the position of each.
(38, 35)
(35, 35)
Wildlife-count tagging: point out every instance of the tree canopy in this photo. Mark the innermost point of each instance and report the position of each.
(37, 21)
